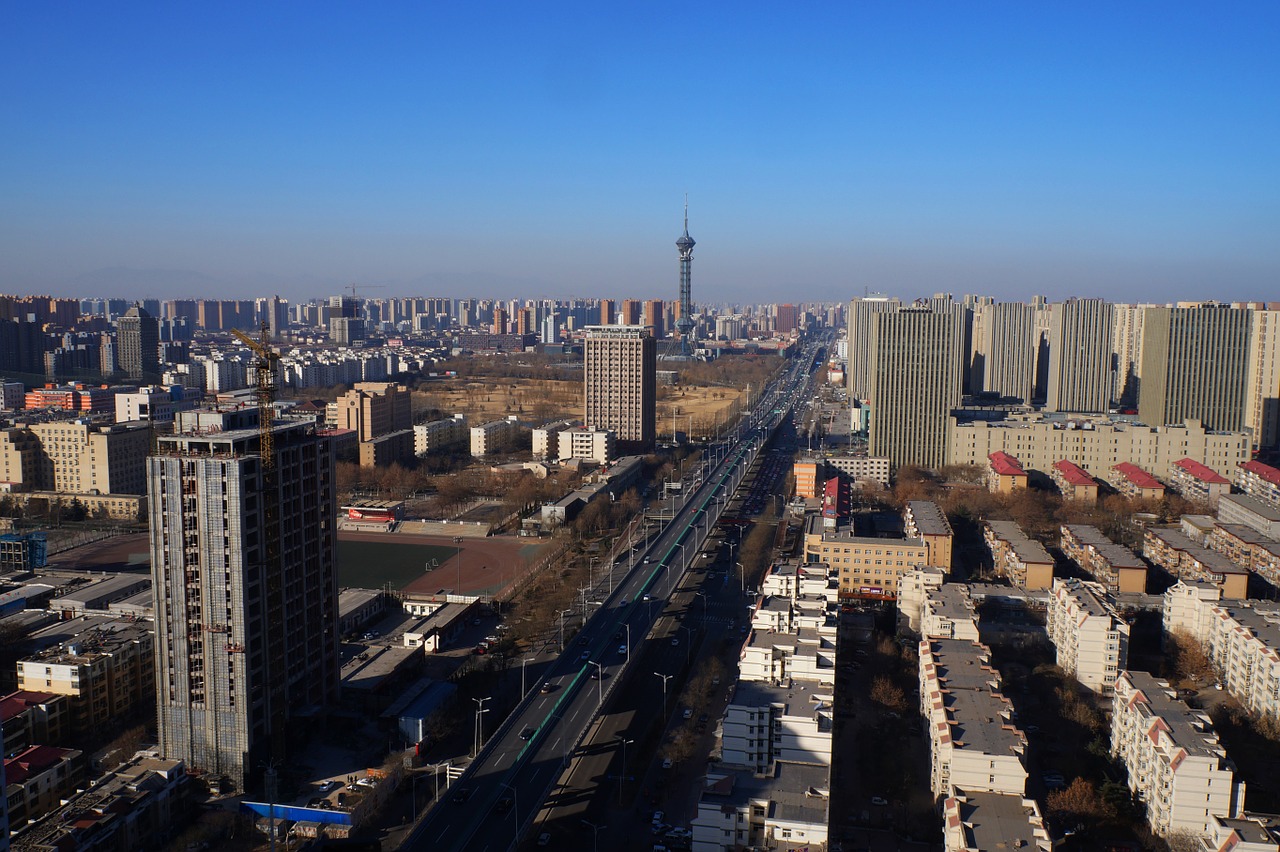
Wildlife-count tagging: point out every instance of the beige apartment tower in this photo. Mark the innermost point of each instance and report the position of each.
(862, 317)
(1005, 343)
(620, 384)
(1194, 364)
(1080, 377)
(1262, 387)
(916, 382)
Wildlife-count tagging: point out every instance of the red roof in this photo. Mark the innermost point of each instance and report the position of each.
(1137, 475)
(16, 702)
(1005, 464)
(1204, 473)
(33, 761)
(1073, 474)
(1266, 471)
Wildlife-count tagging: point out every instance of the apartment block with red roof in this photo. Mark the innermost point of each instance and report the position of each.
(1134, 482)
(37, 779)
(34, 717)
(1260, 481)
(1004, 473)
(1073, 482)
(1197, 481)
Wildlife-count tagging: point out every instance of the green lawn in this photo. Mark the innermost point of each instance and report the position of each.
(371, 565)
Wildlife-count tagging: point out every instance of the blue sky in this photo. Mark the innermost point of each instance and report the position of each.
(1126, 150)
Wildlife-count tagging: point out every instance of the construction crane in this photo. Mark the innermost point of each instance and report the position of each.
(353, 287)
(264, 367)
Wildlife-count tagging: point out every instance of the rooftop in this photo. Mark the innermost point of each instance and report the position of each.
(1190, 729)
(1072, 473)
(1265, 471)
(1202, 472)
(998, 821)
(795, 792)
(1089, 598)
(1136, 475)
(1005, 464)
(1253, 505)
(1116, 555)
(16, 703)
(1027, 550)
(969, 692)
(928, 518)
(1212, 561)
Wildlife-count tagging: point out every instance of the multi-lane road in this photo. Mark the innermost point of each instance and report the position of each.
(501, 791)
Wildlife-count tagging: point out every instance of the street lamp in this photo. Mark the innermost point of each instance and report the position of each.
(480, 711)
(624, 743)
(523, 663)
(688, 648)
(515, 812)
(742, 581)
(703, 595)
(665, 678)
(595, 834)
(599, 682)
(592, 569)
(563, 613)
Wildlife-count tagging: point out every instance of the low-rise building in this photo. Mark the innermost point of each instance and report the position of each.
(1248, 547)
(1174, 760)
(597, 445)
(948, 612)
(1090, 637)
(96, 596)
(37, 778)
(862, 468)
(546, 438)
(923, 519)
(1260, 481)
(788, 809)
(1196, 481)
(1250, 511)
(1172, 550)
(1135, 483)
(976, 822)
(388, 449)
(1073, 482)
(437, 436)
(973, 743)
(914, 587)
(357, 608)
(490, 437)
(867, 566)
(1023, 560)
(31, 718)
(1116, 567)
(1004, 473)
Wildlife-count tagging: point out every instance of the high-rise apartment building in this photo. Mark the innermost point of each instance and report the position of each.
(862, 314)
(915, 382)
(632, 312)
(138, 336)
(654, 314)
(620, 384)
(1262, 385)
(1194, 364)
(1126, 347)
(606, 311)
(1080, 377)
(246, 591)
(1004, 343)
(374, 409)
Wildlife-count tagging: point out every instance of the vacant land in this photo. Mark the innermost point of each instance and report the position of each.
(428, 564)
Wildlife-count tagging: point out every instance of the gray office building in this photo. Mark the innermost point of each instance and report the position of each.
(1194, 365)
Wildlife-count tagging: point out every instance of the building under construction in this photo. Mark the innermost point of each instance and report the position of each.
(246, 593)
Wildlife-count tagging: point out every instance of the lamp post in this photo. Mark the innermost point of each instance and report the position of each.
(523, 664)
(480, 711)
(624, 743)
(688, 648)
(703, 595)
(595, 834)
(515, 812)
(563, 613)
(665, 678)
(742, 582)
(599, 682)
(592, 570)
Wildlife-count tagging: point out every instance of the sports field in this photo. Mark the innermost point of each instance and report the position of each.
(374, 564)
(430, 564)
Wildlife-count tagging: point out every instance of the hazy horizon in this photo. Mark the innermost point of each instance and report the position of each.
(1009, 150)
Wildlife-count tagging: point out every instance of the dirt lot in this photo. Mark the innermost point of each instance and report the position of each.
(121, 553)
(483, 566)
(543, 400)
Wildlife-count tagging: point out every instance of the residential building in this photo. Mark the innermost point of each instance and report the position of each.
(1118, 569)
(36, 780)
(384, 450)
(494, 436)
(1023, 560)
(19, 459)
(620, 384)
(1260, 481)
(82, 457)
(1080, 374)
(374, 409)
(1005, 340)
(138, 344)
(439, 435)
(974, 745)
(1039, 440)
(862, 316)
(1127, 348)
(1247, 547)
(948, 612)
(788, 809)
(923, 519)
(106, 673)
(862, 468)
(30, 718)
(1090, 637)
(916, 380)
(546, 438)
(1173, 758)
(1073, 482)
(1237, 835)
(808, 475)
(1004, 473)
(1183, 558)
(597, 445)
(976, 822)
(1262, 381)
(914, 587)
(12, 395)
(1198, 482)
(1251, 512)
(246, 587)
(766, 723)
(866, 566)
(152, 404)
(1135, 483)
(1194, 365)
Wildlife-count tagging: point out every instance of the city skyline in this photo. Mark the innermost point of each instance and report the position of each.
(1088, 152)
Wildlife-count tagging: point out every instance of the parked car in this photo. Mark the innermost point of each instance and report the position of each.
(462, 794)
(879, 800)
(544, 838)
(666, 763)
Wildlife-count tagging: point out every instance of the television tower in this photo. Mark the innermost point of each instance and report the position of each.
(685, 245)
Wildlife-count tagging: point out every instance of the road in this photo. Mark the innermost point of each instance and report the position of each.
(501, 791)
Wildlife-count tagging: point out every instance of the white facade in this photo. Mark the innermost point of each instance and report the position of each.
(976, 822)
(546, 438)
(973, 744)
(948, 613)
(913, 588)
(438, 435)
(153, 404)
(1174, 760)
(597, 445)
(1091, 639)
(764, 724)
(486, 437)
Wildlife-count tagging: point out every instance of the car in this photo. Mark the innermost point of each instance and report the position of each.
(715, 681)
(462, 794)
(624, 602)
(329, 786)
(687, 714)
(544, 838)
(675, 640)
(527, 734)
(679, 834)
(646, 560)
(879, 800)
(504, 805)
(622, 649)
(666, 763)
(658, 816)
(490, 639)
(480, 649)
(647, 597)
(586, 655)
(595, 674)
(703, 718)
(547, 687)
(661, 828)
